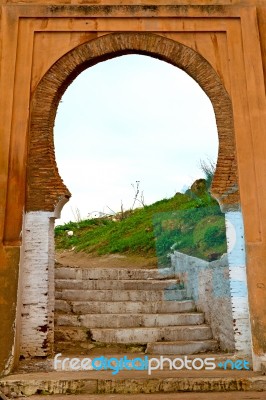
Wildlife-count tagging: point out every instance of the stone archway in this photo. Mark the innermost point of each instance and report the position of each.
(44, 185)
(46, 192)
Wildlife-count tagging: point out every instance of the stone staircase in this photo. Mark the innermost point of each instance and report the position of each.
(126, 309)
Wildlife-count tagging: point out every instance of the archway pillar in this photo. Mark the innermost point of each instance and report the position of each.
(37, 286)
(238, 282)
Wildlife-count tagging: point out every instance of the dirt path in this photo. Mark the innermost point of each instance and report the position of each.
(72, 259)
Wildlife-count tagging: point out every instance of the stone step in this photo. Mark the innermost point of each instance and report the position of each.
(134, 335)
(158, 396)
(182, 347)
(119, 307)
(81, 347)
(112, 274)
(152, 334)
(127, 321)
(120, 295)
(129, 284)
(133, 382)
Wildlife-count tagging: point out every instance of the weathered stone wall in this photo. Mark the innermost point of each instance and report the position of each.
(9, 262)
(207, 283)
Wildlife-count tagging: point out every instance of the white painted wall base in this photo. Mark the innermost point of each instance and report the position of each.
(37, 285)
(207, 283)
(238, 282)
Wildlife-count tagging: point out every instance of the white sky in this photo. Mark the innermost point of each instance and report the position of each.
(127, 119)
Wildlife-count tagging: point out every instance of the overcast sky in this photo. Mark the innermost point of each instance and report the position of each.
(132, 118)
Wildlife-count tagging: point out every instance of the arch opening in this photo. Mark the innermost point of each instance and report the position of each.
(128, 118)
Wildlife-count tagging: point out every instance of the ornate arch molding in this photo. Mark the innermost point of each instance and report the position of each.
(45, 188)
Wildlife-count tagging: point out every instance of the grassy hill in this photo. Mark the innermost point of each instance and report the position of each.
(191, 223)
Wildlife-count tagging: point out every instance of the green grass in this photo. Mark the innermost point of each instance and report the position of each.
(186, 222)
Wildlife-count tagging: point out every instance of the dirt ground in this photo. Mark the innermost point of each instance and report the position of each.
(69, 258)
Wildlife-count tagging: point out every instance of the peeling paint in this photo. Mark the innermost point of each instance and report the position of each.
(37, 285)
(238, 281)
